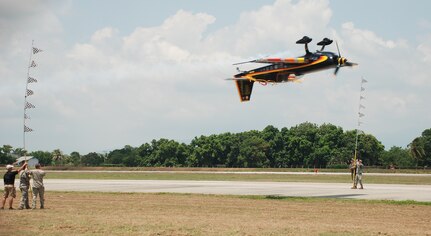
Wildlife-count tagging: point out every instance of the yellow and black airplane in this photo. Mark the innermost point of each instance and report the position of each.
(282, 70)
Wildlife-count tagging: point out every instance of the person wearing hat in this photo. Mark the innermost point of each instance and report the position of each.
(352, 168)
(24, 185)
(38, 188)
(359, 172)
(9, 184)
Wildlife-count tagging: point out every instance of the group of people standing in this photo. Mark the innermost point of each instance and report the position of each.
(356, 170)
(25, 174)
(38, 189)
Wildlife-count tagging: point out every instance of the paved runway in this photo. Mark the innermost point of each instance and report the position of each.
(232, 172)
(296, 189)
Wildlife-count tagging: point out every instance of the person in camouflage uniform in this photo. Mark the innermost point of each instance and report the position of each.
(352, 168)
(359, 172)
(38, 187)
(24, 185)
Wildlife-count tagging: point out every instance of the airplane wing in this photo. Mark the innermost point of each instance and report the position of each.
(289, 60)
(245, 88)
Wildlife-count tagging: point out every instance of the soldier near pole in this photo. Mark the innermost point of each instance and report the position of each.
(359, 172)
(38, 187)
(352, 168)
(24, 185)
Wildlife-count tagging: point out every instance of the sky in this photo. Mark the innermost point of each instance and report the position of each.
(116, 73)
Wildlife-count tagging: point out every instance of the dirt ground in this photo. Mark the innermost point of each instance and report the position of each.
(186, 214)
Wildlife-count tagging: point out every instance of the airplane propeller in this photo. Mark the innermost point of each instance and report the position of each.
(336, 70)
(338, 49)
(342, 61)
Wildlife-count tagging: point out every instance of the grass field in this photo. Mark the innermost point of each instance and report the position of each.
(318, 178)
(88, 213)
(189, 214)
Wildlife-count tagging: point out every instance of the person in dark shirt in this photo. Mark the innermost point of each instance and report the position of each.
(9, 184)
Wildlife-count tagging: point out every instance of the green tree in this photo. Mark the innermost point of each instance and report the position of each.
(211, 151)
(57, 157)
(426, 136)
(224, 145)
(301, 145)
(163, 152)
(127, 156)
(203, 153)
(416, 149)
(369, 149)
(253, 150)
(329, 144)
(145, 151)
(75, 158)
(45, 158)
(6, 155)
(167, 153)
(232, 144)
(348, 147)
(420, 148)
(282, 157)
(276, 145)
(92, 159)
(396, 157)
(130, 156)
(19, 152)
(153, 159)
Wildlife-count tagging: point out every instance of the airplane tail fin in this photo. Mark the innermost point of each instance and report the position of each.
(245, 88)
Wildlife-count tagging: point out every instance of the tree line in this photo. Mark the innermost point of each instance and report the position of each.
(305, 145)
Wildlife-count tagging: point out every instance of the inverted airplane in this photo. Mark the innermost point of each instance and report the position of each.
(282, 70)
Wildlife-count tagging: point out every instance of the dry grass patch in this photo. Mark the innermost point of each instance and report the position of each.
(187, 214)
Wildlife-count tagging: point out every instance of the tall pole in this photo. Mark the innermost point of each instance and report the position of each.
(25, 97)
(28, 93)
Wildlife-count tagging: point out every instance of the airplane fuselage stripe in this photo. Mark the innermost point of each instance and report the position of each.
(251, 76)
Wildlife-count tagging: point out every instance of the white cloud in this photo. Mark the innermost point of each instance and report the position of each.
(424, 49)
(366, 40)
(178, 39)
(272, 27)
(15, 17)
(105, 33)
(168, 80)
(397, 92)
